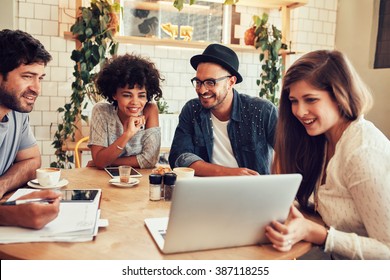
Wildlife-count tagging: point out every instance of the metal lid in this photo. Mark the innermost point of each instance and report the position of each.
(169, 178)
(155, 179)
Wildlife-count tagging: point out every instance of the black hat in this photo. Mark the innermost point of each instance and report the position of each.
(220, 55)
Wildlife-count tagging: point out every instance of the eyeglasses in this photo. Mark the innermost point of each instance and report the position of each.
(208, 83)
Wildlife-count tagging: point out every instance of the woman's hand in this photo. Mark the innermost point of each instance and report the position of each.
(284, 236)
(91, 163)
(133, 125)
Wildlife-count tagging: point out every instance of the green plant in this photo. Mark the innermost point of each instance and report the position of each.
(94, 28)
(178, 4)
(162, 106)
(269, 39)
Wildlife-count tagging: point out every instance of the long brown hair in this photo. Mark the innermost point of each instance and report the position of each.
(295, 150)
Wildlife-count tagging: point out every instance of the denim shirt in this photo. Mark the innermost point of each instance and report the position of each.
(251, 131)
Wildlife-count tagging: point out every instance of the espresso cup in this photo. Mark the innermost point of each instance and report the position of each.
(184, 172)
(48, 177)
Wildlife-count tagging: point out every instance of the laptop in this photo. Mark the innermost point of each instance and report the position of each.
(221, 212)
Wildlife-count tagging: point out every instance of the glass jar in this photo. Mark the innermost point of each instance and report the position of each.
(155, 187)
(169, 185)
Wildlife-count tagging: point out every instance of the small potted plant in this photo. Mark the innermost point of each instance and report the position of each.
(249, 36)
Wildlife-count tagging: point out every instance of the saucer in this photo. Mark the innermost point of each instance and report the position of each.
(34, 184)
(116, 182)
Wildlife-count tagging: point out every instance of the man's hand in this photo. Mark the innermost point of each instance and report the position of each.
(203, 168)
(32, 215)
(239, 172)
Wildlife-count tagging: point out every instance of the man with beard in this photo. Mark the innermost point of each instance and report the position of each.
(22, 63)
(223, 132)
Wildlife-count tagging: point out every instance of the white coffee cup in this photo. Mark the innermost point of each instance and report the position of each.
(184, 172)
(48, 177)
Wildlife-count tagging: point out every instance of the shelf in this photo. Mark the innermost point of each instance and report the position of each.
(272, 4)
(168, 42)
(283, 5)
(174, 43)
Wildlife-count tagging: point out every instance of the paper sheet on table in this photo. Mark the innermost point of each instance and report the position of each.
(76, 222)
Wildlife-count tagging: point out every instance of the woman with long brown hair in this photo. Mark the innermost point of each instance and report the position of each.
(344, 160)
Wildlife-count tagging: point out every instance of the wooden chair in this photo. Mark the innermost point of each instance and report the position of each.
(77, 152)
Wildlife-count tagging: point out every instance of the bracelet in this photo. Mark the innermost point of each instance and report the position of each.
(119, 147)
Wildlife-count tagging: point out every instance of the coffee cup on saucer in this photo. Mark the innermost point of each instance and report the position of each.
(49, 176)
(184, 172)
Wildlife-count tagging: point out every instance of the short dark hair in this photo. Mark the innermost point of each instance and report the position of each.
(129, 70)
(18, 47)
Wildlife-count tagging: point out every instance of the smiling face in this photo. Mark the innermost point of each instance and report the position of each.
(217, 98)
(131, 102)
(315, 109)
(21, 87)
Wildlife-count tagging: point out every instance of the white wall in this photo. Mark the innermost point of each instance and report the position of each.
(355, 36)
(7, 12)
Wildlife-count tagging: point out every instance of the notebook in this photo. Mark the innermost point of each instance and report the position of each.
(220, 212)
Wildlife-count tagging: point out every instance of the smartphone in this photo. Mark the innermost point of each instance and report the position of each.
(79, 195)
(114, 172)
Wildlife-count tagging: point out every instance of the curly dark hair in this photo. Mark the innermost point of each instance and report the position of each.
(129, 70)
(18, 47)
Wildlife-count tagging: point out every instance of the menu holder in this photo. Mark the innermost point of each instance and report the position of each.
(76, 222)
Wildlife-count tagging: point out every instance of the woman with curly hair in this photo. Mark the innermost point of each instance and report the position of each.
(125, 130)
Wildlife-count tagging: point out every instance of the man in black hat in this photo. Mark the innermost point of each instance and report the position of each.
(223, 132)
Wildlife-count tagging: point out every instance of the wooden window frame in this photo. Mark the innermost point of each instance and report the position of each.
(382, 52)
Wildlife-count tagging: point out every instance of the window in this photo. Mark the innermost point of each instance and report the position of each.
(159, 19)
(382, 54)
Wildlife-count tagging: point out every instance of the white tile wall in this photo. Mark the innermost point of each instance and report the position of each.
(49, 88)
(312, 27)
(34, 26)
(26, 10)
(42, 12)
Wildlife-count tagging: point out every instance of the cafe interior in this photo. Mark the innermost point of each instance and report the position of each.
(169, 37)
(308, 25)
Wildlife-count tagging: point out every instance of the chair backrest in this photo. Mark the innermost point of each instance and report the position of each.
(76, 151)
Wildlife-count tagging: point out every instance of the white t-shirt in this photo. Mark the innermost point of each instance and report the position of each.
(355, 199)
(222, 149)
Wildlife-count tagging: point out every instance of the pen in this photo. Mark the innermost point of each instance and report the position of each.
(25, 201)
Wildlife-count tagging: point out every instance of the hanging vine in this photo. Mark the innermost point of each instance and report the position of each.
(94, 28)
(269, 39)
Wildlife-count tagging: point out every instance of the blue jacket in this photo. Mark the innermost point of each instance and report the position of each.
(251, 131)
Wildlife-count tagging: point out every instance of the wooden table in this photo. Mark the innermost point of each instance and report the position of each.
(126, 237)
